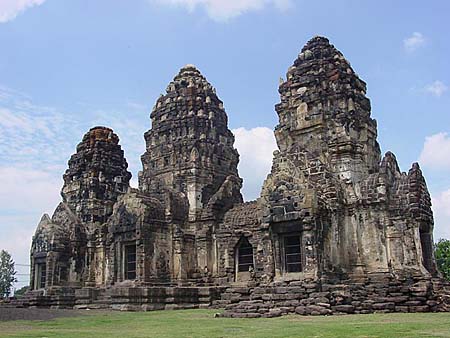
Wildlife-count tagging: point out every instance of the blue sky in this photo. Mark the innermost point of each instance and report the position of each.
(67, 65)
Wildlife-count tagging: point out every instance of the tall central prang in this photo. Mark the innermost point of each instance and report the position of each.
(189, 148)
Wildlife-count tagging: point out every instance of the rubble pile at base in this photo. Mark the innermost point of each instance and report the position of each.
(382, 294)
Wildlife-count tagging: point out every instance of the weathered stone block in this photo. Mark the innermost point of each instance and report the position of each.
(343, 308)
(383, 306)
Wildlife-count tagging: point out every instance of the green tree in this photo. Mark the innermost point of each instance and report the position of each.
(7, 274)
(442, 254)
(20, 292)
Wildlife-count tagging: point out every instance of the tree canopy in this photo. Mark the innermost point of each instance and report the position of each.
(7, 274)
(442, 254)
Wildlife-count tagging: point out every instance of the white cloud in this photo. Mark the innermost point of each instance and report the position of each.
(441, 208)
(17, 243)
(9, 9)
(25, 195)
(436, 152)
(437, 88)
(413, 42)
(222, 10)
(435, 155)
(35, 143)
(29, 190)
(33, 133)
(255, 147)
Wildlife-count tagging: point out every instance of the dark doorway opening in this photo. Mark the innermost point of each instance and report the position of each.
(292, 253)
(130, 262)
(426, 242)
(244, 255)
(41, 275)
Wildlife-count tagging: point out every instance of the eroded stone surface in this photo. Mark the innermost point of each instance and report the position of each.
(190, 148)
(337, 228)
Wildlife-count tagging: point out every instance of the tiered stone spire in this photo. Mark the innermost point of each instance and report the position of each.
(97, 174)
(189, 148)
(324, 109)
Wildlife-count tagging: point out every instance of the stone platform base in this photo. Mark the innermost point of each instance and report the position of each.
(367, 295)
(317, 298)
(123, 298)
(56, 298)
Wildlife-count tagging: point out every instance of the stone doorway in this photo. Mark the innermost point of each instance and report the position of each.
(244, 260)
(130, 262)
(291, 253)
(426, 242)
(41, 275)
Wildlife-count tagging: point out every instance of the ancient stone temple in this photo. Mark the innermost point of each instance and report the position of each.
(337, 228)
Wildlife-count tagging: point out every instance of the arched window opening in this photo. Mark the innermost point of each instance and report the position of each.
(244, 256)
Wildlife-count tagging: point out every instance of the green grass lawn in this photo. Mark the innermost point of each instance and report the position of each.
(201, 323)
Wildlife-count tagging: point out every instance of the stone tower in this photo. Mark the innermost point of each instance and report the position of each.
(324, 109)
(337, 228)
(70, 248)
(189, 148)
(96, 176)
(328, 180)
